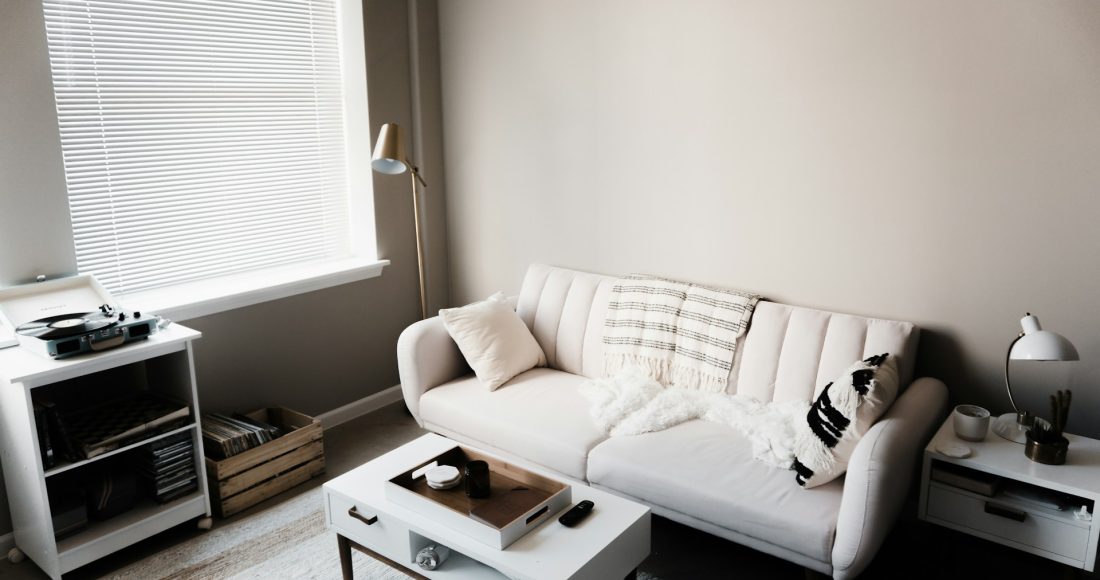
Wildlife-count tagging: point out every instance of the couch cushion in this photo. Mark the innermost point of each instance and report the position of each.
(538, 416)
(791, 353)
(788, 353)
(706, 471)
(565, 310)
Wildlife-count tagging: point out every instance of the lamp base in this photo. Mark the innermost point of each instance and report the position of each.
(1009, 428)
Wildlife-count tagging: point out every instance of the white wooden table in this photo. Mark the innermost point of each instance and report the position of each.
(1055, 534)
(610, 543)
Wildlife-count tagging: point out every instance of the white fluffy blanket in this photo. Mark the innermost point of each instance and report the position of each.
(630, 403)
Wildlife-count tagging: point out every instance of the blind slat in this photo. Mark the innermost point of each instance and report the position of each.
(199, 140)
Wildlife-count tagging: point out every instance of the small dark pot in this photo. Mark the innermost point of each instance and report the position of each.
(477, 479)
(1048, 453)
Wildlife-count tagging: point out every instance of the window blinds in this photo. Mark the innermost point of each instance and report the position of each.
(200, 138)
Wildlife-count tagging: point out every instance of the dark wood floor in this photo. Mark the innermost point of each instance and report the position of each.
(913, 550)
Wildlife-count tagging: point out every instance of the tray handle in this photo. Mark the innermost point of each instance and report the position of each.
(537, 514)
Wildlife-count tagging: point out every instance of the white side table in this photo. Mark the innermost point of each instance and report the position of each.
(1060, 535)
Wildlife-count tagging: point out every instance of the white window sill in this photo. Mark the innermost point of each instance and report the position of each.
(206, 297)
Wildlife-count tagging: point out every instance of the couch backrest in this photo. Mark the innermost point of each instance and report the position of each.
(788, 352)
(565, 311)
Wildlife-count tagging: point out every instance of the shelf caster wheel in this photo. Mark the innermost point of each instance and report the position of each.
(15, 555)
(205, 523)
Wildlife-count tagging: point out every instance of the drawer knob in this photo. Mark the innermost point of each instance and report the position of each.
(354, 512)
(1005, 512)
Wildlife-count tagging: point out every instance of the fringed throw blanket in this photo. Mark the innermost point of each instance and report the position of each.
(681, 334)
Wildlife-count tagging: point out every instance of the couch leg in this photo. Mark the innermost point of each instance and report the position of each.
(814, 575)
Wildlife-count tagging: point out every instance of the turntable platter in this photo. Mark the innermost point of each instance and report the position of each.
(68, 323)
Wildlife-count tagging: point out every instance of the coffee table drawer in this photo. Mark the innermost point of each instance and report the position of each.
(1027, 527)
(361, 523)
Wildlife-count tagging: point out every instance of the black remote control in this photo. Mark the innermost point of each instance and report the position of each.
(575, 515)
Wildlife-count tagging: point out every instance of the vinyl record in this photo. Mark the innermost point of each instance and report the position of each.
(64, 325)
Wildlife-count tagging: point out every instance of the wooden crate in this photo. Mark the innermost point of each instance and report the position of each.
(248, 478)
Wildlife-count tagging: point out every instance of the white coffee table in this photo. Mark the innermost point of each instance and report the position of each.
(610, 543)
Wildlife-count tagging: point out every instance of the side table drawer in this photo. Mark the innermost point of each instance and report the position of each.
(360, 523)
(1008, 522)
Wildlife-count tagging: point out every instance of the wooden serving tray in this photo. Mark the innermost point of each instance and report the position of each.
(518, 501)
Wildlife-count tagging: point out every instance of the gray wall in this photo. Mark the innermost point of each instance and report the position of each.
(312, 352)
(927, 161)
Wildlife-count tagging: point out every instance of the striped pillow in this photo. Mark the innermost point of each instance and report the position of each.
(842, 413)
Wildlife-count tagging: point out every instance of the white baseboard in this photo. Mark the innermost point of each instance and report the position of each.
(7, 542)
(361, 407)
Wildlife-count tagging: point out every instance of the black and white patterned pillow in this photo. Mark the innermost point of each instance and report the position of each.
(838, 419)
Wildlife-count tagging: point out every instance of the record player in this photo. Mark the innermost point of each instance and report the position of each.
(70, 316)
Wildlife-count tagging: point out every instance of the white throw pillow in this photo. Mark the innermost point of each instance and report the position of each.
(494, 340)
(842, 414)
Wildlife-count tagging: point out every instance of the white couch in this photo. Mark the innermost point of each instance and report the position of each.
(699, 473)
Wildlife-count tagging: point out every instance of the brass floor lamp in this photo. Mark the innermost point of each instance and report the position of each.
(391, 158)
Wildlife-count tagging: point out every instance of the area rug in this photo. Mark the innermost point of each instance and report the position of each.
(288, 540)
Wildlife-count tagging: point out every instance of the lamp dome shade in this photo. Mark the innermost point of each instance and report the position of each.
(389, 151)
(1039, 344)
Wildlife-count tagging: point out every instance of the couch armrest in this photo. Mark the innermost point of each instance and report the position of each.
(880, 472)
(426, 358)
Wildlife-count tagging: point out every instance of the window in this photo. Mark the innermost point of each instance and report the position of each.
(205, 139)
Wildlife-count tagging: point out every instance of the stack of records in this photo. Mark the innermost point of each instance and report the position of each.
(168, 467)
(224, 437)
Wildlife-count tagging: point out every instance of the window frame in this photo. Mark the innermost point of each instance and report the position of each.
(210, 296)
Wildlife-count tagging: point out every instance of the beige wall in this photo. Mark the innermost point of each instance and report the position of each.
(933, 161)
(312, 352)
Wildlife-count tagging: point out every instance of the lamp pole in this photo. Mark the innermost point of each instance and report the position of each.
(390, 158)
(414, 175)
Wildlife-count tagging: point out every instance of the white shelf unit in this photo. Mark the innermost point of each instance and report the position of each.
(164, 364)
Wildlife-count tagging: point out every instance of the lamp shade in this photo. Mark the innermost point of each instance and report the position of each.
(1039, 344)
(389, 151)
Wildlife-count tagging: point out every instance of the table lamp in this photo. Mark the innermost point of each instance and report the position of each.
(1033, 343)
(391, 158)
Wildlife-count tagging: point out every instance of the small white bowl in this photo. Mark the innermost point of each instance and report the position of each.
(971, 422)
